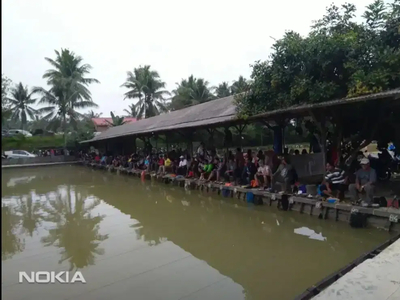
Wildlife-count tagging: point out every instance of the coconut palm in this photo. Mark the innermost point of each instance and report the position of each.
(131, 111)
(223, 90)
(76, 231)
(69, 74)
(62, 109)
(91, 114)
(239, 86)
(20, 101)
(116, 120)
(145, 85)
(191, 91)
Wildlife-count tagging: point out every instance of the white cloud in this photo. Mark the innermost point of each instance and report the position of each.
(216, 40)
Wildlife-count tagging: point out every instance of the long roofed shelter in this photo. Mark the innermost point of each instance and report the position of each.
(222, 113)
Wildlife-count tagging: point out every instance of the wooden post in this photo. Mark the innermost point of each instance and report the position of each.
(134, 145)
(321, 124)
(240, 128)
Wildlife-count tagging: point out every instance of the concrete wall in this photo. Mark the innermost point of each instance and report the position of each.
(37, 160)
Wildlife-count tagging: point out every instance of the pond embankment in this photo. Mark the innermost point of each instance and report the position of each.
(386, 218)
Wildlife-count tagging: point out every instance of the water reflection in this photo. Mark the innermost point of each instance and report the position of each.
(31, 213)
(183, 244)
(76, 231)
(10, 242)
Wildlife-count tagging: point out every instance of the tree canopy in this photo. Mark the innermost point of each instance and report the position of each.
(339, 58)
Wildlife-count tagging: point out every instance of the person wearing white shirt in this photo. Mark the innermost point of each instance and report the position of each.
(263, 175)
(182, 167)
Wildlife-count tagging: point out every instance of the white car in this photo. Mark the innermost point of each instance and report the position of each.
(19, 154)
(19, 131)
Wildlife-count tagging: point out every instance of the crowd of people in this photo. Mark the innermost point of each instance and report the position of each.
(263, 169)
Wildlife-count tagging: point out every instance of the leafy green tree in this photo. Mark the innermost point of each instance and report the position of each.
(191, 91)
(116, 120)
(146, 85)
(20, 104)
(5, 105)
(223, 90)
(339, 58)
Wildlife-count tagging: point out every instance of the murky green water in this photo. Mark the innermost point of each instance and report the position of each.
(144, 241)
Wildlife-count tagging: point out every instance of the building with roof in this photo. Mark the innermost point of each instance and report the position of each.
(102, 124)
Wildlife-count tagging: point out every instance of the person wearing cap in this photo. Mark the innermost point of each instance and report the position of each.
(182, 167)
(365, 182)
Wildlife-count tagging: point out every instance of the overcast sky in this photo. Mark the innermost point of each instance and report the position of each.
(216, 40)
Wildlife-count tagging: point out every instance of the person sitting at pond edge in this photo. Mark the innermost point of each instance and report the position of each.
(334, 181)
(365, 183)
(263, 175)
(182, 166)
(285, 175)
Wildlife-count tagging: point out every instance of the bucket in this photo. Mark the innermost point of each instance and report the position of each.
(250, 197)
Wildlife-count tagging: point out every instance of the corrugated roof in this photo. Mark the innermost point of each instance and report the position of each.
(393, 94)
(212, 112)
(107, 121)
(218, 111)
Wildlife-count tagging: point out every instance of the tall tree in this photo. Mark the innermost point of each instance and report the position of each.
(68, 90)
(131, 111)
(146, 85)
(191, 91)
(62, 109)
(20, 101)
(241, 85)
(5, 105)
(69, 73)
(223, 90)
(116, 120)
(91, 114)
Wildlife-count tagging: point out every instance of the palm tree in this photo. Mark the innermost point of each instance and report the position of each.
(20, 102)
(145, 84)
(241, 85)
(76, 231)
(132, 111)
(69, 74)
(91, 114)
(62, 108)
(116, 120)
(191, 91)
(223, 90)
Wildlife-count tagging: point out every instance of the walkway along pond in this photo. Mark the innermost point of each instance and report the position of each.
(383, 218)
(150, 240)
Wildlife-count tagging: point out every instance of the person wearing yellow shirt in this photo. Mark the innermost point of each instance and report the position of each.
(167, 165)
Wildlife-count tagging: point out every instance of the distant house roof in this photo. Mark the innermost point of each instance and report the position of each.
(104, 121)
